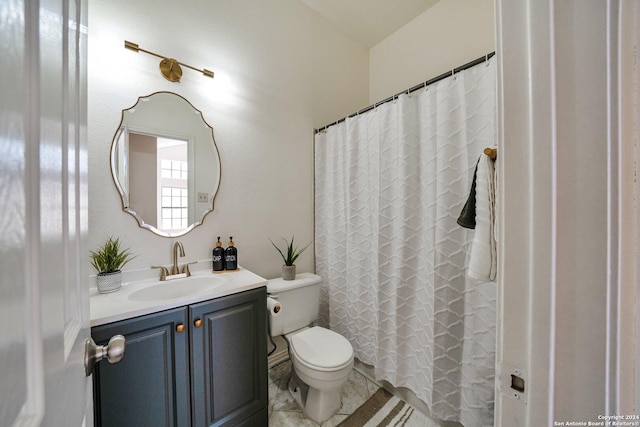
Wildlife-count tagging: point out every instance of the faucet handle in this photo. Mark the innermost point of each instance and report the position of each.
(185, 268)
(163, 272)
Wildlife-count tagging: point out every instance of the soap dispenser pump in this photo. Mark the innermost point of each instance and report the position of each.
(231, 256)
(217, 256)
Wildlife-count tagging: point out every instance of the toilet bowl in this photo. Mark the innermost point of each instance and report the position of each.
(321, 359)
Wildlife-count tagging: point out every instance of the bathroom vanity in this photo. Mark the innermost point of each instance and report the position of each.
(195, 352)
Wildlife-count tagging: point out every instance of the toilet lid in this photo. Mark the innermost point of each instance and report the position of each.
(321, 347)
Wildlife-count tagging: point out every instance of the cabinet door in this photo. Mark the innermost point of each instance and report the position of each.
(229, 360)
(150, 385)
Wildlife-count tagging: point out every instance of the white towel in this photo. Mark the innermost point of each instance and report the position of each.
(483, 259)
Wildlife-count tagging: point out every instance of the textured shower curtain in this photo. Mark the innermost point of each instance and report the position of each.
(390, 184)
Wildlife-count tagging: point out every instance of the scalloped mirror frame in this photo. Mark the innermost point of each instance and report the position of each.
(124, 196)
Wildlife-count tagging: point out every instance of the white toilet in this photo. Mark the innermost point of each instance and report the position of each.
(322, 359)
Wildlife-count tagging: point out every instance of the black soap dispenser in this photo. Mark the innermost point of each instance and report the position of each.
(231, 256)
(217, 256)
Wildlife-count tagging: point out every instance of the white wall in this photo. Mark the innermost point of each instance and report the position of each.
(445, 36)
(143, 158)
(281, 70)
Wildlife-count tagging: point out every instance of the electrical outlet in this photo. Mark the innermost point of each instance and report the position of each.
(203, 197)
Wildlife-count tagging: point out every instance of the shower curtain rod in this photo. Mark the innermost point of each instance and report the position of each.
(412, 89)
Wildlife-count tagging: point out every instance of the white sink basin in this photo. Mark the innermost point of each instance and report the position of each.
(179, 288)
(149, 295)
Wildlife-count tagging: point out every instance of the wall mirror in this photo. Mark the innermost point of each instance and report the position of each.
(165, 164)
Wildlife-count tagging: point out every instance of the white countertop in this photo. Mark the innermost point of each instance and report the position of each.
(124, 303)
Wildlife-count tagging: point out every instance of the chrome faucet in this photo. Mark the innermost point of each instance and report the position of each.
(177, 245)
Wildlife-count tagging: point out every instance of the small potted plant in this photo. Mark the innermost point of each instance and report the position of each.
(292, 253)
(108, 261)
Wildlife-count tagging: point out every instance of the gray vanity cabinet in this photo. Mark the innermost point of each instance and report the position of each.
(212, 372)
(229, 361)
(150, 385)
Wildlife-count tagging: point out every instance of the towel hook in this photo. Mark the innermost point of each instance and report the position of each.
(491, 152)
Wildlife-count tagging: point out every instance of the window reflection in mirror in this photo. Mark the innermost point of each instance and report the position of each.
(173, 185)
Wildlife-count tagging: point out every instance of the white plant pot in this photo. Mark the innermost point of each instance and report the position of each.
(288, 272)
(109, 282)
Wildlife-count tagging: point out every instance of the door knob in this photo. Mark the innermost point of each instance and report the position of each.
(113, 352)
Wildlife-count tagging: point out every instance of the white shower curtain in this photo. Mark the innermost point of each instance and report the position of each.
(390, 184)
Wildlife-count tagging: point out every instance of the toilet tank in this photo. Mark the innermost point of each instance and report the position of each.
(300, 301)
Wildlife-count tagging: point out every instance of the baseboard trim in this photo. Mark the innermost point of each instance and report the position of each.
(281, 352)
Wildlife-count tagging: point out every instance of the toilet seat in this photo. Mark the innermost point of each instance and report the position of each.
(321, 349)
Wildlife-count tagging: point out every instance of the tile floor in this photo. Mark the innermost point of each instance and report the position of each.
(284, 412)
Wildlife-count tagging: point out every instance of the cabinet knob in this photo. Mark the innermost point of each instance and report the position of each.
(180, 328)
(197, 323)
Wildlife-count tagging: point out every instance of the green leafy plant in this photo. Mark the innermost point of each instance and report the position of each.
(292, 253)
(109, 257)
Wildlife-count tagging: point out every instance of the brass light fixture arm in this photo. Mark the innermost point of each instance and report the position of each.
(167, 64)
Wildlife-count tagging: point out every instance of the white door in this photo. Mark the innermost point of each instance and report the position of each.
(568, 276)
(44, 304)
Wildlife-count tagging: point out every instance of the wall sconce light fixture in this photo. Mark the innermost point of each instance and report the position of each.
(169, 67)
